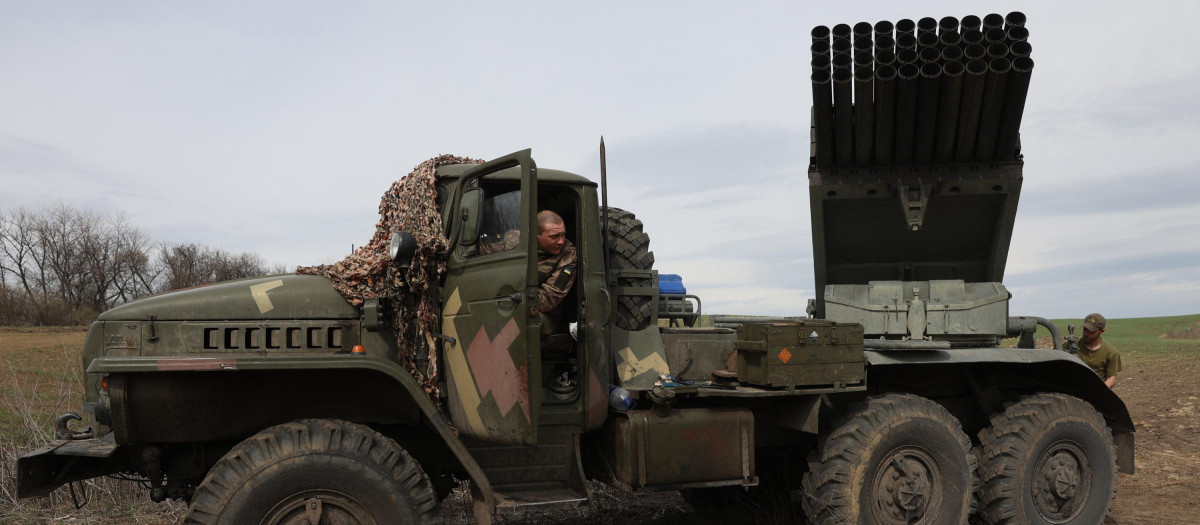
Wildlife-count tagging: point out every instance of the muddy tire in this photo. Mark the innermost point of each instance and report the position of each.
(629, 249)
(327, 470)
(1047, 459)
(896, 458)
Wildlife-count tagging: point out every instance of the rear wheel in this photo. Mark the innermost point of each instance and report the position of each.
(1048, 459)
(894, 459)
(629, 249)
(315, 471)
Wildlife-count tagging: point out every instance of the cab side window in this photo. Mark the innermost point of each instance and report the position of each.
(499, 222)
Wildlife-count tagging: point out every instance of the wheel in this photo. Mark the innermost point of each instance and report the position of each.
(629, 249)
(315, 471)
(893, 459)
(1047, 459)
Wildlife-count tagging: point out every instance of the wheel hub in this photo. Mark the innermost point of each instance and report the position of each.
(903, 487)
(1060, 481)
(318, 507)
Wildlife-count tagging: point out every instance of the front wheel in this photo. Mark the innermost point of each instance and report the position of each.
(1048, 459)
(315, 471)
(897, 459)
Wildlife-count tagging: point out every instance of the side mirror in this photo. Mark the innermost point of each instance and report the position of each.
(401, 249)
(470, 208)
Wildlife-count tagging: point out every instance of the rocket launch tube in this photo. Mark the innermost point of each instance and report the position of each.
(927, 107)
(994, 85)
(1014, 107)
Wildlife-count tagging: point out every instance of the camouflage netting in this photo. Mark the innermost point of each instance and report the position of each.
(409, 205)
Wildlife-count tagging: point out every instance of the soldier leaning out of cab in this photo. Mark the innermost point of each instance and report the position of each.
(556, 267)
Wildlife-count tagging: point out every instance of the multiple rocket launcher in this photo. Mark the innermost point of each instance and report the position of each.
(948, 92)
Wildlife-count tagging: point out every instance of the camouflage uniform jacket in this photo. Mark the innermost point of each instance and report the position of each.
(556, 275)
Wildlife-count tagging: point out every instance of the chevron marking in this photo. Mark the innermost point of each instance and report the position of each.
(631, 367)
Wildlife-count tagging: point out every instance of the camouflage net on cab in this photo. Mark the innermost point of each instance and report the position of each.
(409, 205)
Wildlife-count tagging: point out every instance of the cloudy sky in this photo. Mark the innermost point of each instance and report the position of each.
(275, 127)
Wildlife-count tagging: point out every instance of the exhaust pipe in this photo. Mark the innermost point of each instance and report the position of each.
(864, 114)
(927, 107)
(906, 112)
(951, 97)
(885, 113)
(843, 117)
(1014, 107)
(968, 114)
(823, 115)
(993, 104)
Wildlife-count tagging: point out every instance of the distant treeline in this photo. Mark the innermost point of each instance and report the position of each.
(63, 265)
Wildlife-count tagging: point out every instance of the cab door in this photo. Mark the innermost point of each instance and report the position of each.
(490, 298)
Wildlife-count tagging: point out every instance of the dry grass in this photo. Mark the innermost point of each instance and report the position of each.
(41, 378)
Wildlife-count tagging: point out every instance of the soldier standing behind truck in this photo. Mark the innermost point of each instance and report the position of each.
(1098, 353)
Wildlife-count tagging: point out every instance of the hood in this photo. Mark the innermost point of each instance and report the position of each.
(274, 297)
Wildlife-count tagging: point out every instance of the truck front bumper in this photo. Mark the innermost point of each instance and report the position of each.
(63, 461)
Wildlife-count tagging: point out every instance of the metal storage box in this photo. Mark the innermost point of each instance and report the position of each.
(809, 352)
(950, 309)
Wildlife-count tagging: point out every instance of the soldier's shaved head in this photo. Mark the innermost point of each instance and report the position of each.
(546, 218)
(551, 232)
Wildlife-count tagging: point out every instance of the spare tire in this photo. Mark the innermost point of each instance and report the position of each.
(629, 249)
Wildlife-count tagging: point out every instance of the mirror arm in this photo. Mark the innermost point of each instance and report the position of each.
(462, 222)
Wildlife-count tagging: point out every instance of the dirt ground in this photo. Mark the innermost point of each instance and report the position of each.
(1161, 389)
(1162, 392)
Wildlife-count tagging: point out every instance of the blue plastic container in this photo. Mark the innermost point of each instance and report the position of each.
(670, 284)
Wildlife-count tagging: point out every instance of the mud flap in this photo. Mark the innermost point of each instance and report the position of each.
(62, 461)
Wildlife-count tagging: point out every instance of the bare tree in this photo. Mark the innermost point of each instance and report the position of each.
(64, 265)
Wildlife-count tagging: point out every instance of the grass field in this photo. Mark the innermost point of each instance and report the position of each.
(40, 378)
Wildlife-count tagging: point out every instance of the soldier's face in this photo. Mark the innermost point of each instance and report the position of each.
(1090, 335)
(551, 238)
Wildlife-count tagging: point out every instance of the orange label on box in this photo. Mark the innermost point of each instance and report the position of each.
(784, 355)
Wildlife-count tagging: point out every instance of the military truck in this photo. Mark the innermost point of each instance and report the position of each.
(276, 400)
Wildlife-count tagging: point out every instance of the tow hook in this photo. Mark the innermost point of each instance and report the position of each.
(61, 431)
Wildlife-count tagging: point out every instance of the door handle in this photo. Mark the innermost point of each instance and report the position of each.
(512, 299)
